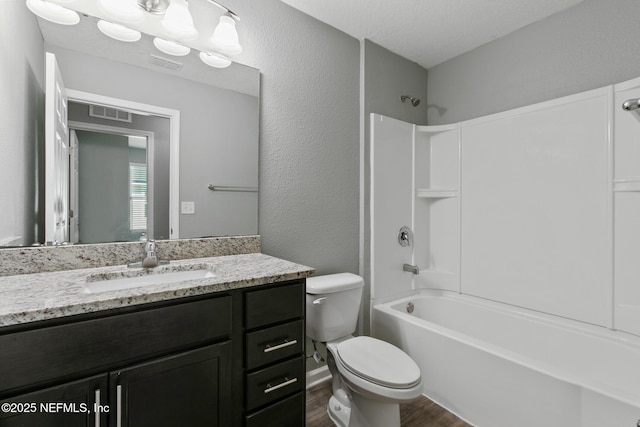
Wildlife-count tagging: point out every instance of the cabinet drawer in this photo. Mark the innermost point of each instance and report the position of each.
(273, 305)
(44, 354)
(270, 384)
(272, 344)
(288, 412)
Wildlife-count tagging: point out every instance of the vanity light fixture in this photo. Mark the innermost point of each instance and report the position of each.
(126, 11)
(157, 7)
(215, 60)
(53, 12)
(118, 32)
(177, 21)
(177, 24)
(170, 48)
(225, 36)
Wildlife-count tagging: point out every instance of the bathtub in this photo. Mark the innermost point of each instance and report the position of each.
(496, 365)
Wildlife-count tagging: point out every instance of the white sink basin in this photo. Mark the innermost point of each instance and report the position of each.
(160, 278)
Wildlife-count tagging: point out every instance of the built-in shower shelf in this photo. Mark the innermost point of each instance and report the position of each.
(434, 193)
(626, 185)
(433, 130)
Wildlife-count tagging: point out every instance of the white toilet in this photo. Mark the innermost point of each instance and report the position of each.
(370, 377)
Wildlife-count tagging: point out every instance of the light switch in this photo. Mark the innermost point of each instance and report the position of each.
(188, 208)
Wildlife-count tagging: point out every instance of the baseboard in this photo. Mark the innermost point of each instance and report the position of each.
(318, 376)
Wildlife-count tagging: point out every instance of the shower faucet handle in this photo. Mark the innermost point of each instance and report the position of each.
(405, 236)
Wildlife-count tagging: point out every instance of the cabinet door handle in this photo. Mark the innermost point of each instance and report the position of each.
(269, 348)
(285, 383)
(119, 406)
(96, 408)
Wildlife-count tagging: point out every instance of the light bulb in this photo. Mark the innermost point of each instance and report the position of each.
(215, 60)
(170, 48)
(225, 37)
(118, 32)
(53, 12)
(177, 21)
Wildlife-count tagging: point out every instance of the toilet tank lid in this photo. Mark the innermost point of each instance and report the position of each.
(333, 283)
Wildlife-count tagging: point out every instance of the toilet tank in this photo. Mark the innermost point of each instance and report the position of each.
(333, 304)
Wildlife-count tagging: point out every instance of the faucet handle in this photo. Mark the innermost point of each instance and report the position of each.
(405, 236)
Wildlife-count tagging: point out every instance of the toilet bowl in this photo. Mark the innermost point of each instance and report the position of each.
(370, 377)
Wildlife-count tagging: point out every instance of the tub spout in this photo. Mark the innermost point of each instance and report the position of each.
(411, 268)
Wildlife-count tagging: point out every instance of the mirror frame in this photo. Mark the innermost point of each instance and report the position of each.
(174, 142)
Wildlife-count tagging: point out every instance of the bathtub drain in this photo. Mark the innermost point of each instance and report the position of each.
(410, 308)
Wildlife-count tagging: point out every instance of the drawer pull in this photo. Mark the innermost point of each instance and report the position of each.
(269, 348)
(285, 383)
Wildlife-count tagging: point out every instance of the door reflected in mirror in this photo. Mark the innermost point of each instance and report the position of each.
(112, 187)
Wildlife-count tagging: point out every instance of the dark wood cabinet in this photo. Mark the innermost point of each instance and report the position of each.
(187, 389)
(80, 403)
(274, 356)
(228, 359)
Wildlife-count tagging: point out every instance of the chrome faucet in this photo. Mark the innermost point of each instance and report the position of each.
(411, 268)
(150, 260)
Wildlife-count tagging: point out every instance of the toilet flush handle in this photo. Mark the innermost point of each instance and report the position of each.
(320, 300)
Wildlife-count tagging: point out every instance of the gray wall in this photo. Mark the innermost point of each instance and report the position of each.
(309, 131)
(21, 122)
(591, 45)
(309, 134)
(386, 77)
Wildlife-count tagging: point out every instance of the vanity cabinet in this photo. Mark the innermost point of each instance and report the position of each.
(217, 360)
(274, 356)
(80, 397)
(188, 389)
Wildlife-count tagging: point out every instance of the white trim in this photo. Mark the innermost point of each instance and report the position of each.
(372, 276)
(611, 312)
(318, 376)
(413, 199)
(174, 143)
(363, 186)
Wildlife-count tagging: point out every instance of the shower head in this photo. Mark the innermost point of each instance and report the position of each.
(414, 101)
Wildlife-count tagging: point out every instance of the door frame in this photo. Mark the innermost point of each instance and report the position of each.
(174, 142)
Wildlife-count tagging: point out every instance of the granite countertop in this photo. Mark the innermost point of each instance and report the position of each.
(40, 296)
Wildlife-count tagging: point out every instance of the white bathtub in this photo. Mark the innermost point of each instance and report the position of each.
(499, 366)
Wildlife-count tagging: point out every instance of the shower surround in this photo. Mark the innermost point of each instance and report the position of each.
(533, 209)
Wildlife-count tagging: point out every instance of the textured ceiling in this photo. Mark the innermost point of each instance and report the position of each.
(430, 32)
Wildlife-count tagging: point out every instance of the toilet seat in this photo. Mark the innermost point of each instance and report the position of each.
(378, 362)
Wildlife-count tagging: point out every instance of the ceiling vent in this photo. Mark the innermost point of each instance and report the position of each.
(109, 113)
(166, 63)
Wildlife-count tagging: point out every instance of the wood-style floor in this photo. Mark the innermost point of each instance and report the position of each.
(421, 412)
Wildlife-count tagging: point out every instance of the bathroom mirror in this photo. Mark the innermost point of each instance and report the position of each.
(218, 138)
